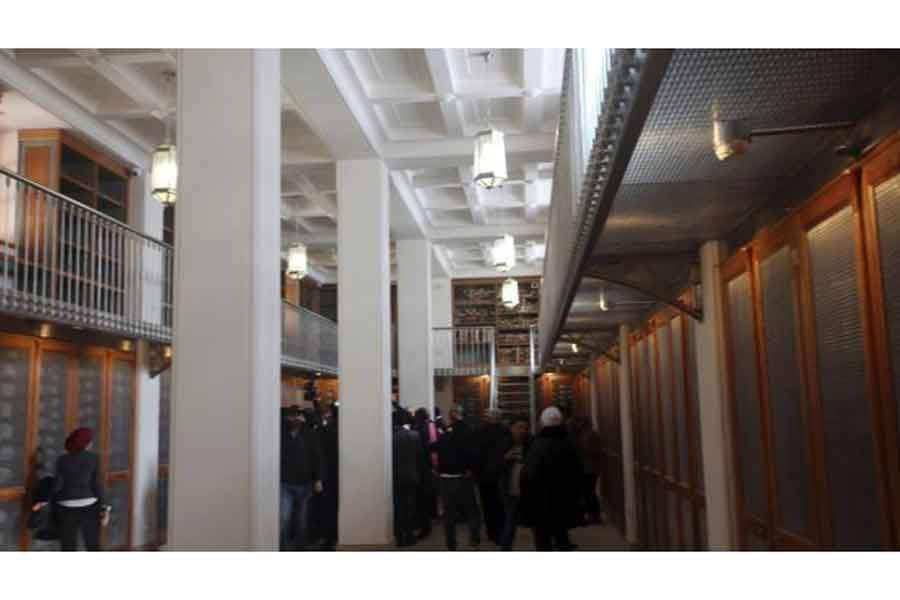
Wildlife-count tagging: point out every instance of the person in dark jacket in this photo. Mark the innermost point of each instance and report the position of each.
(409, 471)
(79, 494)
(326, 503)
(426, 501)
(513, 456)
(552, 479)
(491, 438)
(456, 460)
(301, 476)
(590, 445)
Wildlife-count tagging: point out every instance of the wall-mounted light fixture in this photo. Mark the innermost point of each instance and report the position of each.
(732, 137)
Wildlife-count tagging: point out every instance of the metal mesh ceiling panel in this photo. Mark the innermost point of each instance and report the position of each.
(768, 88)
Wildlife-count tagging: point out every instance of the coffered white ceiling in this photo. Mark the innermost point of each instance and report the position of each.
(417, 109)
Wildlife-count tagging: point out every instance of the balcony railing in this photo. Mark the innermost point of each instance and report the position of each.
(464, 350)
(66, 262)
(308, 340)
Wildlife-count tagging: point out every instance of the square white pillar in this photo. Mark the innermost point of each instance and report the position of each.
(146, 216)
(415, 364)
(224, 469)
(715, 443)
(364, 353)
(442, 316)
(631, 535)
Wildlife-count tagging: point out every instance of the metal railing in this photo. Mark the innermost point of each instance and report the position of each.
(66, 262)
(464, 350)
(308, 340)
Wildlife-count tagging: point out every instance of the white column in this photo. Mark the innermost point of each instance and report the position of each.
(442, 302)
(225, 412)
(364, 353)
(415, 364)
(442, 316)
(711, 388)
(592, 393)
(631, 535)
(146, 216)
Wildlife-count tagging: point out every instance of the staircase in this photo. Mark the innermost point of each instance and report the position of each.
(513, 394)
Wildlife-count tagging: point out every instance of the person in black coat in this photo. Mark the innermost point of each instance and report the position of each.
(78, 493)
(325, 505)
(491, 438)
(409, 471)
(427, 490)
(301, 476)
(551, 484)
(512, 457)
(457, 458)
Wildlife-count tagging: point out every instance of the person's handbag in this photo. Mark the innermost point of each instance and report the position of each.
(42, 523)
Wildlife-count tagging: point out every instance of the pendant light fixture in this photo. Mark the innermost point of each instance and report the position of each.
(509, 293)
(503, 253)
(164, 169)
(489, 168)
(298, 264)
(298, 261)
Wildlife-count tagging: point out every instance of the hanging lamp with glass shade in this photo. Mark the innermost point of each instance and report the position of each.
(164, 168)
(489, 165)
(489, 170)
(297, 260)
(164, 173)
(509, 293)
(298, 263)
(503, 253)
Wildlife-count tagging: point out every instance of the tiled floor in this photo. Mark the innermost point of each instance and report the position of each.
(593, 538)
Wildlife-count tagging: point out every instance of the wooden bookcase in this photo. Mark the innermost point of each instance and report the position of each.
(476, 303)
(60, 161)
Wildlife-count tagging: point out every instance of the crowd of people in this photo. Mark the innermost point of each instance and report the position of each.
(495, 476)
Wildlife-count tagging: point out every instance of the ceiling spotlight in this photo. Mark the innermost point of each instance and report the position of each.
(575, 348)
(603, 305)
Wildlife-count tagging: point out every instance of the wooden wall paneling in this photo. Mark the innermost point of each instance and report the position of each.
(783, 237)
(882, 166)
(872, 379)
(731, 269)
(835, 197)
(660, 438)
(680, 493)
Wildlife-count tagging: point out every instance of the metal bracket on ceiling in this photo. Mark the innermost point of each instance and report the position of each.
(692, 311)
(571, 339)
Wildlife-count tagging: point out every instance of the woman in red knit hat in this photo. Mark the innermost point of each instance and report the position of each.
(78, 493)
